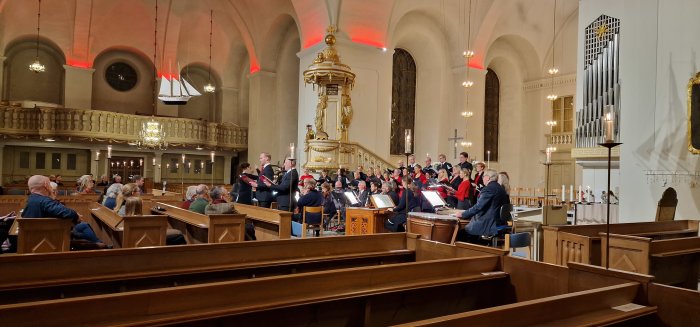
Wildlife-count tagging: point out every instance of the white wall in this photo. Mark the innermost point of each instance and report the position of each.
(657, 57)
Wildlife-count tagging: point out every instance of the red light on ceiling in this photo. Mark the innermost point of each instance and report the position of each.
(254, 69)
(475, 66)
(167, 75)
(78, 63)
(312, 41)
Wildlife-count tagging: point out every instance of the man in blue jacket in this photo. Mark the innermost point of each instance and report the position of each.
(485, 213)
(40, 204)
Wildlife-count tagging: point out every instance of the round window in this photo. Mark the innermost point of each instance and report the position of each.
(121, 76)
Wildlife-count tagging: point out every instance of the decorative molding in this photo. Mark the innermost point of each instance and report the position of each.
(596, 152)
(544, 83)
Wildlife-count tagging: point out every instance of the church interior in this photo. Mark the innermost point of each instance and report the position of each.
(590, 108)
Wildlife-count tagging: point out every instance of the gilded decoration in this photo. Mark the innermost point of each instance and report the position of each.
(694, 114)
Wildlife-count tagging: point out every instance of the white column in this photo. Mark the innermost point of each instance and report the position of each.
(94, 164)
(78, 87)
(158, 167)
(227, 168)
(262, 122)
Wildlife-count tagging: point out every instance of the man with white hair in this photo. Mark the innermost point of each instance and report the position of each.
(485, 214)
(201, 199)
(41, 205)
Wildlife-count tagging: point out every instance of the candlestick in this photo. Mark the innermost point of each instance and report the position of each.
(212, 156)
(609, 124)
(563, 193)
(548, 151)
(571, 193)
(140, 162)
(580, 193)
(154, 161)
(291, 150)
(183, 158)
(109, 152)
(409, 141)
(488, 159)
(202, 165)
(97, 155)
(189, 165)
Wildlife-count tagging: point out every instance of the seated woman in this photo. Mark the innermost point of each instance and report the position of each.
(133, 206)
(407, 202)
(189, 197)
(465, 190)
(128, 190)
(310, 198)
(110, 200)
(86, 185)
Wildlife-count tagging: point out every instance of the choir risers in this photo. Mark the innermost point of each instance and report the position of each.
(96, 125)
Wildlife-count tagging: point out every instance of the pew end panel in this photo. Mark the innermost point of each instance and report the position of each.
(43, 235)
(576, 248)
(676, 306)
(628, 253)
(270, 224)
(226, 228)
(144, 231)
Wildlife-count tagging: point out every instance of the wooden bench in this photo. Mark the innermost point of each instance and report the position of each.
(671, 261)
(369, 296)
(199, 228)
(42, 235)
(130, 231)
(101, 272)
(581, 243)
(270, 224)
(677, 306)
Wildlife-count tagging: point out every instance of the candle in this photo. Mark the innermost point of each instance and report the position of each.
(154, 161)
(291, 150)
(140, 162)
(131, 163)
(488, 159)
(548, 151)
(563, 193)
(109, 152)
(97, 155)
(183, 158)
(167, 166)
(409, 142)
(609, 121)
(202, 165)
(580, 192)
(588, 193)
(177, 165)
(189, 164)
(571, 193)
(212, 156)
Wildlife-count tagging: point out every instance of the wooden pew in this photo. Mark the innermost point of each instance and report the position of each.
(10, 203)
(42, 235)
(270, 224)
(128, 232)
(677, 306)
(103, 272)
(173, 199)
(581, 243)
(377, 285)
(199, 228)
(370, 296)
(672, 261)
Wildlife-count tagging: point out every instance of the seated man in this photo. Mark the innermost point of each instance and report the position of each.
(310, 198)
(219, 206)
(201, 201)
(486, 212)
(41, 205)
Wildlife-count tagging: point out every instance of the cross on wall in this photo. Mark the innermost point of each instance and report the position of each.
(455, 139)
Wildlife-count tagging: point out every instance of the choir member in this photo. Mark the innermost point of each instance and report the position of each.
(464, 191)
(464, 161)
(407, 202)
(324, 178)
(444, 164)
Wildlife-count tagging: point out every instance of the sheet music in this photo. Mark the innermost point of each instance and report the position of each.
(382, 201)
(434, 198)
(352, 198)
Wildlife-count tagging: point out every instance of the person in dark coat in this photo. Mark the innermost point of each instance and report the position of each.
(407, 202)
(287, 187)
(263, 192)
(310, 198)
(485, 213)
(245, 191)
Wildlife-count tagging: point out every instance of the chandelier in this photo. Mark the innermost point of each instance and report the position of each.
(467, 83)
(209, 87)
(152, 136)
(37, 66)
(553, 70)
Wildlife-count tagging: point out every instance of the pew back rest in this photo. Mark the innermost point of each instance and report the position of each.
(186, 216)
(43, 235)
(282, 219)
(144, 231)
(107, 216)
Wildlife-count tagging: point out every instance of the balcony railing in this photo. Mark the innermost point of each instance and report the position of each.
(332, 154)
(105, 126)
(561, 139)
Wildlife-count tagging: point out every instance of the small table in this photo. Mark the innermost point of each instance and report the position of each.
(363, 221)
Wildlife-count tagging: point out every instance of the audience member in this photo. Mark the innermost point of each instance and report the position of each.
(201, 199)
(189, 197)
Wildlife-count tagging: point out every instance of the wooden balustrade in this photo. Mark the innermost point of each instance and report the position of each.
(97, 125)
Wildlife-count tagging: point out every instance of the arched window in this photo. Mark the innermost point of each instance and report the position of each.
(491, 109)
(403, 99)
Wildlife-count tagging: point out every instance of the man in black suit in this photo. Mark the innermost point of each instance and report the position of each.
(444, 164)
(362, 194)
(485, 214)
(287, 186)
(263, 192)
(464, 161)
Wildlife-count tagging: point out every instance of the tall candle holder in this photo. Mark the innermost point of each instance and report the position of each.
(609, 145)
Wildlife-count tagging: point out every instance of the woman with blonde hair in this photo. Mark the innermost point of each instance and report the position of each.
(504, 181)
(86, 185)
(128, 190)
(133, 206)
